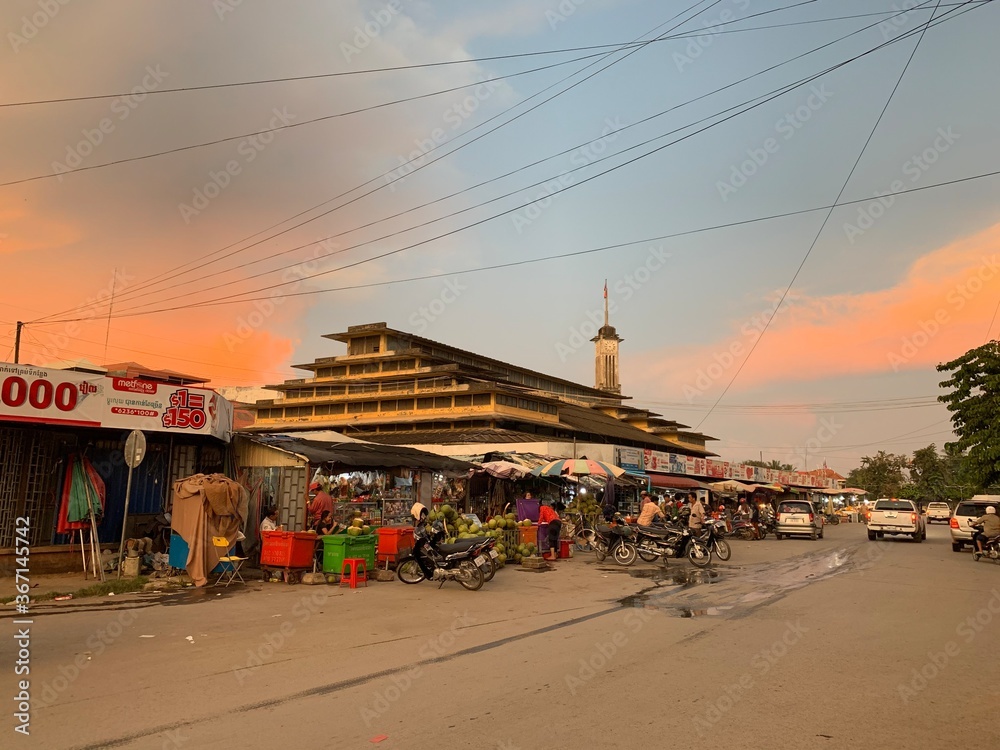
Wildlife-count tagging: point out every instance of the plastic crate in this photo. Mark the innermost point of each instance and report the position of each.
(393, 539)
(338, 547)
(287, 549)
(528, 534)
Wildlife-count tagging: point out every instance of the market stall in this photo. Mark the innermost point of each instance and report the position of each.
(372, 487)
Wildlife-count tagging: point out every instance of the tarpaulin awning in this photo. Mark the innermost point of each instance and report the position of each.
(348, 456)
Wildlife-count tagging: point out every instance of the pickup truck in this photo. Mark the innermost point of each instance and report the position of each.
(892, 516)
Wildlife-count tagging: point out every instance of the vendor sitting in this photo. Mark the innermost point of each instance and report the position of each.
(270, 522)
(325, 525)
(419, 512)
(548, 514)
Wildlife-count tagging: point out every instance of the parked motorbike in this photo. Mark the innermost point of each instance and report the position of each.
(713, 539)
(991, 547)
(616, 541)
(430, 559)
(490, 557)
(654, 542)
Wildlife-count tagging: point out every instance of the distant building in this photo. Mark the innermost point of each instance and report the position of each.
(399, 388)
(826, 475)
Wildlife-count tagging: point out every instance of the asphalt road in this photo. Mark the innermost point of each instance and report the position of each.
(837, 643)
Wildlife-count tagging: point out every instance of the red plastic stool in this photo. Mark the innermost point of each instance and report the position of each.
(353, 564)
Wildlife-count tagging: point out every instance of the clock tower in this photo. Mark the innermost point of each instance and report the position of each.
(606, 354)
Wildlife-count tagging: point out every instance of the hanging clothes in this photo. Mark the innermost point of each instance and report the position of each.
(81, 482)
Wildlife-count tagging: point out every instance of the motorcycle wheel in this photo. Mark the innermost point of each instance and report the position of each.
(647, 554)
(722, 549)
(600, 552)
(698, 554)
(745, 534)
(408, 571)
(490, 570)
(625, 554)
(471, 576)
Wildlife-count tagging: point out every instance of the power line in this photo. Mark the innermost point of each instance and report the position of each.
(774, 95)
(435, 148)
(560, 256)
(289, 126)
(202, 262)
(826, 219)
(617, 46)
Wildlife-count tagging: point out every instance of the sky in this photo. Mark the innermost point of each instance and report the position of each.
(695, 175)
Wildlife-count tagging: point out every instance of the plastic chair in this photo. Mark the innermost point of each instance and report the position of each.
(351, 566)
(231, 563)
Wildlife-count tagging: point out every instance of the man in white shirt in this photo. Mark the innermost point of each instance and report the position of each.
(270, 522)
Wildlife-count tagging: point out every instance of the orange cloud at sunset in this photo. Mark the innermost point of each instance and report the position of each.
(940, 307)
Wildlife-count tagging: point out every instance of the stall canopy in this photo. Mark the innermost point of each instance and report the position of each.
(358, 455)
(677, 483)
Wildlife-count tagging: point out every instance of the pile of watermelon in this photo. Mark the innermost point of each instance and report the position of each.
(358, 526)
(460, 527)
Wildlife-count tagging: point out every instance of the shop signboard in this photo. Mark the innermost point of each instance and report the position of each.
(40, 395)
(715, 469)
(629, 459)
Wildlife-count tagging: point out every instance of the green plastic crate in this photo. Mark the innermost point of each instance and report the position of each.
(337, 547)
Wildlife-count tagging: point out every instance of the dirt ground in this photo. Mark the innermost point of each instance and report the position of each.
(838, 643)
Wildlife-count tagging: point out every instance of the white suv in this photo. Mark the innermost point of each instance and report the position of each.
(938, 512)
(969, 510)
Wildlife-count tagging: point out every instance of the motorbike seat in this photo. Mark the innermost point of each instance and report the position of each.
(462, 545)
(660, 531)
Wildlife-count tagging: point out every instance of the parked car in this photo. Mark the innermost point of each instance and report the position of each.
(938, 512)
(965, 511)
(894, 516)
(798, 518)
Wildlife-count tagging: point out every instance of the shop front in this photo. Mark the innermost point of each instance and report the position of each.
(49, 418)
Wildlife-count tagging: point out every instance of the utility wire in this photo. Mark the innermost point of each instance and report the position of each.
(715, 29)
(826, 219)
(516, 208)
(202, 262)
(155, 279)
(561, 256)
(289, 126)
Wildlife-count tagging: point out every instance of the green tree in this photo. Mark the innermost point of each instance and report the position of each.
(882, 474)
(930, 475)
(773, 464)
(974, 402)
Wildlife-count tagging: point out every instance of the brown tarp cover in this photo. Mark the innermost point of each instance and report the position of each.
(205, 506)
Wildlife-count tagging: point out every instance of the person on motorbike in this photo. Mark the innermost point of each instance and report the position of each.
(419, 512)
(990, 523)
(755, 518)
(697, 519)
(650, 510)
(743, 510)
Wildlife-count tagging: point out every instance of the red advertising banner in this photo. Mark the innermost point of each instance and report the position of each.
(63, 397)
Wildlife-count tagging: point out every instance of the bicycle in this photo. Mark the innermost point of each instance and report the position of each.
(582, 534)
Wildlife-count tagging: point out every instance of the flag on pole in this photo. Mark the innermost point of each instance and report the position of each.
(605, 289)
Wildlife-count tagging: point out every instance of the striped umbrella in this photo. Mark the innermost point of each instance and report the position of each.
(577, 467)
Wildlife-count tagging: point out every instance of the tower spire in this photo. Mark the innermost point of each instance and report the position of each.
(606, 303)
(606, 353)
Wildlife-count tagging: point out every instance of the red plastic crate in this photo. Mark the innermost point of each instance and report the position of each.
(288, 549)
(394, 539)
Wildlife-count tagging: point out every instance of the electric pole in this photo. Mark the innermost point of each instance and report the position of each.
(17, 343)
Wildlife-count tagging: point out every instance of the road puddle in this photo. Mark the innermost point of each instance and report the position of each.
(705, 592)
